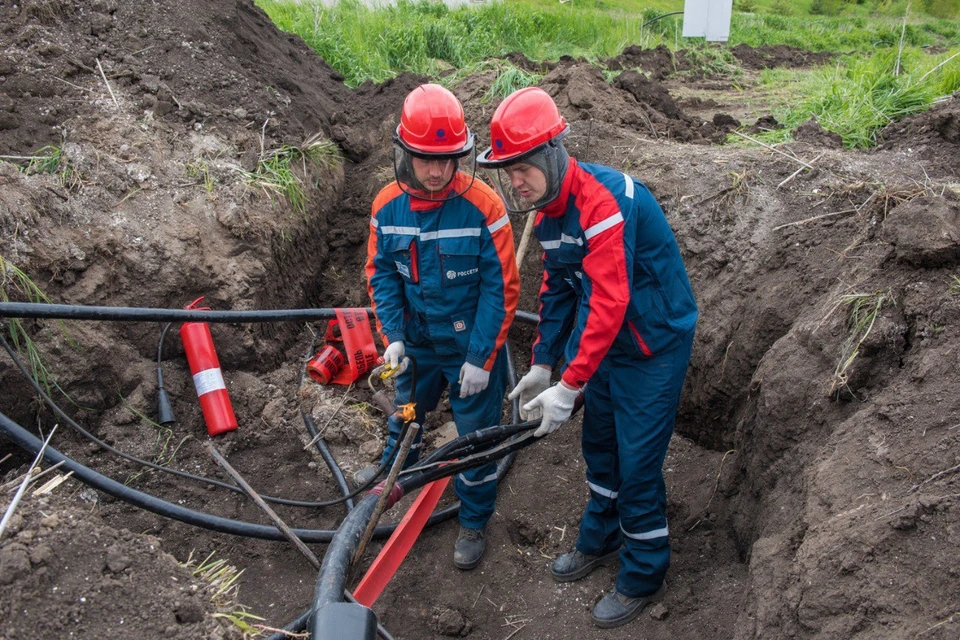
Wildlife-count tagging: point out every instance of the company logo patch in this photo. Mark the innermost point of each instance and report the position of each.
(441, 133)
(459, 325)
(499, 143)
(452, 275)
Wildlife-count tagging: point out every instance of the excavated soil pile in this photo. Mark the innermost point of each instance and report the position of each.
(813, 481)
(934, 135)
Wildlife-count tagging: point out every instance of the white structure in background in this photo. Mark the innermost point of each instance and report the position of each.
(708, 19)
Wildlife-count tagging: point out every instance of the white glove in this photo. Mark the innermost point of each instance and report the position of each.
(473, 379)
(393, 356)
(557, 406)
(530, 386)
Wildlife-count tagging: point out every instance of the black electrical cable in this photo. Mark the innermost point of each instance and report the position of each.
(330, 461)
(300, 623)
(31, 444)
(164, 410)
(27, 441)
(332, 579)
(336, 561)
(140, 314)
(660, 17)
(320, 443)
(147, 463)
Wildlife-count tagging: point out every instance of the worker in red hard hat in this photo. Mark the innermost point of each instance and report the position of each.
(443, 282)
(616, 303)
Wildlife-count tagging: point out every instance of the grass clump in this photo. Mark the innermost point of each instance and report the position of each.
(712, 60)
(222, 590)
(15, 285)
(509, 79)
(954, 288)
(48, 160)
(863, 311)
(163, 453)
(281, 172)
(199, 170)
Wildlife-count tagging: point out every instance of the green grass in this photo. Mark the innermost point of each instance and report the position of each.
(859, 95)
(162, 451)
(426, 37)
(855, 97)
(17, 285)
(49, 160)
(863, 311)
(509, 79)
(221, 587)
(281, 171)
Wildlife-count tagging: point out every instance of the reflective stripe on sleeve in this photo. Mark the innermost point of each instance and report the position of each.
(603, 225)
(498, 224)
(550, 244)
(628, 183)
(373, 222)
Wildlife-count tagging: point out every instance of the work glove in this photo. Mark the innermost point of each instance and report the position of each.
(530, 386)
(393, 356)
(473, 379)
(556, 403)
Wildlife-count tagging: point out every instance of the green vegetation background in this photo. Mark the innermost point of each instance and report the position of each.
(898, 56)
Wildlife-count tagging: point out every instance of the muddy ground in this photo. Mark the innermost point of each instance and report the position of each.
(810, 495)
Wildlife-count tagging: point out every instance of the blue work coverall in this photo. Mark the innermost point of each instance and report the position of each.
(442, 277)
(617, 304)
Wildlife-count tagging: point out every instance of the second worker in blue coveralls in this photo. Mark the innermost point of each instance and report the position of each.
(616, 303)
(443, 282)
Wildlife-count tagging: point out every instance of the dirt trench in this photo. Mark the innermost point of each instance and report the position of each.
(796, 509)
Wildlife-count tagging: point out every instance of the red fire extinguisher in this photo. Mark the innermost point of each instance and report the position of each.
(207, 378)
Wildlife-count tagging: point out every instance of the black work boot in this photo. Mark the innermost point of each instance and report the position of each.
(615, 609)
(575, 565)
(363, 476)
(469, 548)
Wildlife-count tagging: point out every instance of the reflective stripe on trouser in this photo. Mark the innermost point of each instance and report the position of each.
(629, 413)
(476, 488)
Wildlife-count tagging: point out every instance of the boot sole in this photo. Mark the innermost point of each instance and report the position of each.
(464, 566)
(467, 566)
(633, 613)
(585, 570)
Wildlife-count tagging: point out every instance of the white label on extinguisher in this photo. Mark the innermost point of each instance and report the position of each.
(207, 381)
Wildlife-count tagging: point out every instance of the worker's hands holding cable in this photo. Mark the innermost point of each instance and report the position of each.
(393, 356)
(556, 405)
(530, 386)
(473, 379)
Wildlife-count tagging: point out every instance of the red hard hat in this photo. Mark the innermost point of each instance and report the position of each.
(525, 120)
(432, 122)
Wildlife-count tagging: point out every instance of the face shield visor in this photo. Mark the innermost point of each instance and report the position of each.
(435, 177)
(532, 180)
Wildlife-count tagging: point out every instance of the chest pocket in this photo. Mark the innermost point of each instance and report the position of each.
(570, 255)
(460, 259)
(402, 250)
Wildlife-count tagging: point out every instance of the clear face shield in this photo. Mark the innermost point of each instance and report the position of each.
(533, 180)
(434, 177)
